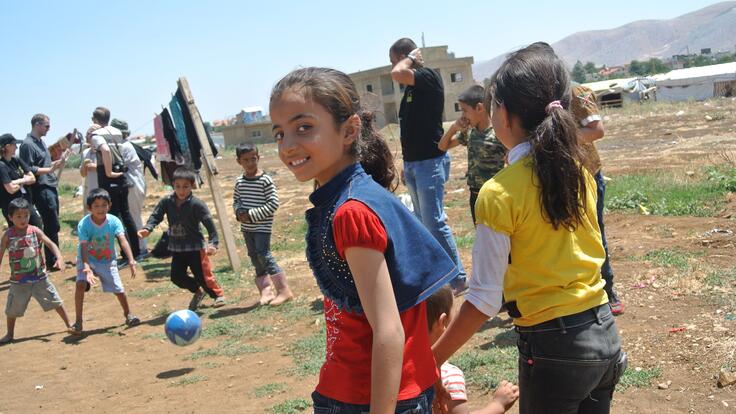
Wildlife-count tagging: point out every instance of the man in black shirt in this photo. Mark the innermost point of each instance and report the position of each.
(426, 167)
(45, 195)
(15, 177)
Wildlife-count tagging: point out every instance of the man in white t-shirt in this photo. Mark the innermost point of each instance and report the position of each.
(135, 178)
(111, 175)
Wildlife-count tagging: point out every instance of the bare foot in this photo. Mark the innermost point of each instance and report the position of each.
(505, 395)
(6, 339)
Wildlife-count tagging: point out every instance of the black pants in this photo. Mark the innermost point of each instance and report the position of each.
(46, 200)
(120, 208)
(473, 198)
(201, 268)
(570, 367)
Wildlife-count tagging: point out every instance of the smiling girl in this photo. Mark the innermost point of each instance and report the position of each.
(373, 260)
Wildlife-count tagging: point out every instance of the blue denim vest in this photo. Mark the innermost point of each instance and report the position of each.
(416, 262)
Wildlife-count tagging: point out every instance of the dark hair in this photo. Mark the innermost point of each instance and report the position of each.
(101, 115)
(403, 46)
(525, 84)
(244, 148)
(472, 96)
(98, 194)
(37, 119)
(184, 173)
(336, 92)
(16, 204)
(438, 303)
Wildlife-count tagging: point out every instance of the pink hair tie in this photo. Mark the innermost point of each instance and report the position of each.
(552, 105)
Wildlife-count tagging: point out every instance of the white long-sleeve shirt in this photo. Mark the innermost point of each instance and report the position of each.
(491, 258)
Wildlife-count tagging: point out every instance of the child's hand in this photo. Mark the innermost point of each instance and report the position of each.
(243, 216)
(143, 233)
(133, 269)
(441, 398)
(60, 264)
(505, 396)
(211, 250)
(91, 278)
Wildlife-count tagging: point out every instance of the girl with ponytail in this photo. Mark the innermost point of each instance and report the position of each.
(373, 260)
(538, 246)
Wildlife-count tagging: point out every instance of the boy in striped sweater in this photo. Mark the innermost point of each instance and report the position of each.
(255, 201)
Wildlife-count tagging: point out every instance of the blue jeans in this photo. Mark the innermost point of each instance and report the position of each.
(422, 404)
(606, 269)
(259, 251)
(425, 181)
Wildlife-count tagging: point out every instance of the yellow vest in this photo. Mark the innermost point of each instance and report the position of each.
(552, 273)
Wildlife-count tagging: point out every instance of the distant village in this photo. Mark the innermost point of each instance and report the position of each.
(692, 76)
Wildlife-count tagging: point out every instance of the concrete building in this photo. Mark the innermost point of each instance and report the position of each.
(257, 133)
(383, 95)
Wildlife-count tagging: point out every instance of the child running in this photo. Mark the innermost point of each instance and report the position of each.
(97, 233)
(28, 276)
(255, 201)
(188, 249)
(541, 210)
(439, 315)
(372, 259)
(474, 130)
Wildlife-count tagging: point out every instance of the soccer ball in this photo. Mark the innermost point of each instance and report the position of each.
(183, 327)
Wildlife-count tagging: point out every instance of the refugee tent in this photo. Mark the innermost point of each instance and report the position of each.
(697, 83)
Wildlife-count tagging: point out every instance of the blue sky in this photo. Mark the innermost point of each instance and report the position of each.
(64, 58)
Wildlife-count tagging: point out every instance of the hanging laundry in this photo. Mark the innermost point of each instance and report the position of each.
(170, 136)
(195, 147)
(163, 152)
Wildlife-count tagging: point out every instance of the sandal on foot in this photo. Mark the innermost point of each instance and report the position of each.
(132, 320)
(219, 302)
(76, 329)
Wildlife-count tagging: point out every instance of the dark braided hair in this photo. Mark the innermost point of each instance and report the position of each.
(525, 84)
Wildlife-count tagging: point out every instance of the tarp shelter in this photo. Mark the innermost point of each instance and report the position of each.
(697, 83)
(610, 92)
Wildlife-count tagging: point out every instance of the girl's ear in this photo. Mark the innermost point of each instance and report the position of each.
(351, 129)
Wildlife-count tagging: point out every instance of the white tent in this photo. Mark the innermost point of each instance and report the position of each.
(697, 83)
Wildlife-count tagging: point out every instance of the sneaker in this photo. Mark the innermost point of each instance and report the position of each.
(132, 320)
(220, 302)
(617, 307)
(76, 329)
(196, 300)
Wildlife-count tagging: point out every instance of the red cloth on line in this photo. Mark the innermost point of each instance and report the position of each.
(346, 373)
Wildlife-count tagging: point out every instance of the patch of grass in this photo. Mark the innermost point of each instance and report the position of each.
(163, 311)
(466, 240)
(268, 389)
(294, 310)
(188, 380)
(151, 292)
(228, 279)
(308, 354)
(485, 369)
(678, 259)
(156, 336)
(229, 348)
(297, 405)
(66, 189)
(721, 278)
(231, 328)
(291, 237)
(211, 365)
(663, 194)
(638, 378)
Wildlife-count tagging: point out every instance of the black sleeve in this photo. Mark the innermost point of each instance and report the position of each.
(23, 166)
(4, 176)
(203, 215)
(426, 79)
(26, 154)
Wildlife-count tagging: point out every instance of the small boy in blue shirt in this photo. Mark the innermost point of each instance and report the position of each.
(96, 262)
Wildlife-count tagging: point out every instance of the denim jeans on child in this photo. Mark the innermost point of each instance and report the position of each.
(425, 181)
(422, 404)
(259, 251)
(570, 365)
(606, 269)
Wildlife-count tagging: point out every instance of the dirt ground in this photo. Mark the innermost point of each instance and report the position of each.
(246, 360)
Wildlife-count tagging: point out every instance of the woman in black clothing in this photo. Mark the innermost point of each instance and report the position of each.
(15, 175)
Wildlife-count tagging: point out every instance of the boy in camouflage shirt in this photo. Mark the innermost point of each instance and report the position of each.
(485, 153)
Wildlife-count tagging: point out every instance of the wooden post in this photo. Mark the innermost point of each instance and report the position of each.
(210, 168)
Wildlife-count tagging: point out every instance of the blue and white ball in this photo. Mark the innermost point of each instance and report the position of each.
(183, 327)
